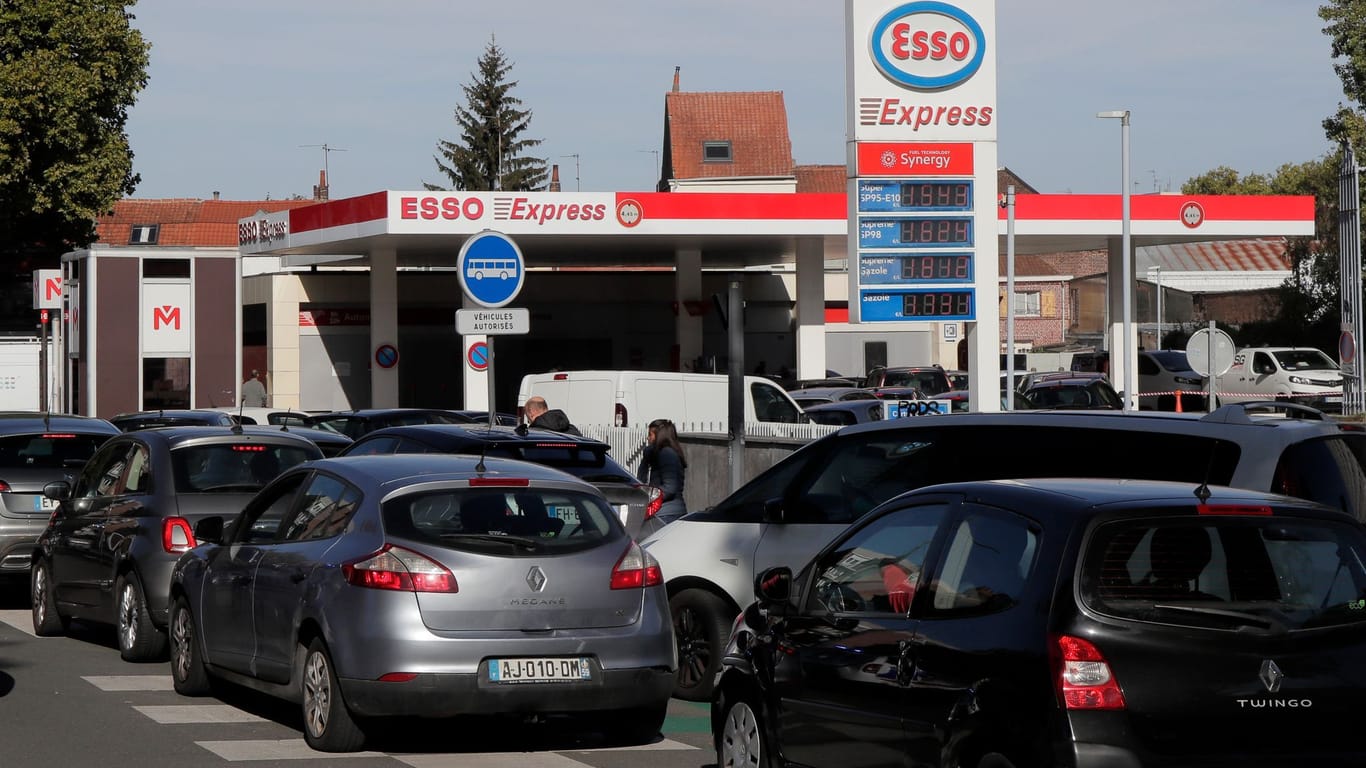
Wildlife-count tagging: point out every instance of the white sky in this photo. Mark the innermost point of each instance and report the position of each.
(235, 88)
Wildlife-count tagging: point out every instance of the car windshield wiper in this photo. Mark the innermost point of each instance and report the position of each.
(1244, 618)
(516, 541)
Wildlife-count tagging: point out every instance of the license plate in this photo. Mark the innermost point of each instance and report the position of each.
(540, 670)
(44, 504)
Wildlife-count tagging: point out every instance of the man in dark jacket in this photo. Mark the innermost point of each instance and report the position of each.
(540, 416)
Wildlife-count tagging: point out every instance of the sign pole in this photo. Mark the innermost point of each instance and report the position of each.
(493, 411)
(42, 362)
(1213, 370)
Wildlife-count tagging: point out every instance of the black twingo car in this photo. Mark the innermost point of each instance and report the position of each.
(1079, 623)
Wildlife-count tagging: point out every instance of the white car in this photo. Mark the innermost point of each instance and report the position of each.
(1302, 375)
(1163, 373)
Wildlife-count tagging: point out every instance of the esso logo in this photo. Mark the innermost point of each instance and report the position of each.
(928, 46)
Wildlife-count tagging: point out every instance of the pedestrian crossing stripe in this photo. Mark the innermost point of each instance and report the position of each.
(131, 682)
(178, 714)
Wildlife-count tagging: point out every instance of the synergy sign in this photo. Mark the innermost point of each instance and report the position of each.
(922, 166)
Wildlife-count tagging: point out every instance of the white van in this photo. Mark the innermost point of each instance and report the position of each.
(1301, 375)
(635, 398)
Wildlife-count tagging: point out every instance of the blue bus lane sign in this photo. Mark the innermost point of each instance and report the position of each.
(491, 269)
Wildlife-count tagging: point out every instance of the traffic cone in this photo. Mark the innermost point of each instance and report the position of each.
(1178, 401)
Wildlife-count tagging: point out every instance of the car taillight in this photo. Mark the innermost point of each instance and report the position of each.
(1084, 678)
(4, 487)
(636, 568)
(176, 535)
(619, 415)
(399, 569)
(656, 501)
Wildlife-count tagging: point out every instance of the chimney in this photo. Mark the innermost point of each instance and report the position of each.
(320, 191)
(676, 78)
(555, 178)
(215, 194)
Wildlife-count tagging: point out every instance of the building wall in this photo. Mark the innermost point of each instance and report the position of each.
(215, 368)
(115, 322)
(1048, 327)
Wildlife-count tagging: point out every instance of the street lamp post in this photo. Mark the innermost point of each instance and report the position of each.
(1127, 273)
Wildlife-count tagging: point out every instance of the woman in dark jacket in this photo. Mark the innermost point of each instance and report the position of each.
(663, 466)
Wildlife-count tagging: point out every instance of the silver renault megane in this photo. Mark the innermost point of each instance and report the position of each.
(427, 586)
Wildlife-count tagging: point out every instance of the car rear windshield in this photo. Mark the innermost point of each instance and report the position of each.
(929, 382)
(1328, 470)
(524, 521)
(232, 467)
(1269, 573)
(50, 450)
(589, 463)
(838, 480)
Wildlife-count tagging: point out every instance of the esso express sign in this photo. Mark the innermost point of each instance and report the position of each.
(927, 46)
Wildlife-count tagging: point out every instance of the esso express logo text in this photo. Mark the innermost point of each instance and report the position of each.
(432, 208)
(928, 46)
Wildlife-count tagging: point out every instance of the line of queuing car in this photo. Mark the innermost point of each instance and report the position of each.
(436, 570)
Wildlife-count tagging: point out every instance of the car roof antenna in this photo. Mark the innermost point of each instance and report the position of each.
(1202, 492)
(483, 448)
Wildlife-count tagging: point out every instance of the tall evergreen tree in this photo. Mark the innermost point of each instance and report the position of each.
(69, 72)
(491, 153)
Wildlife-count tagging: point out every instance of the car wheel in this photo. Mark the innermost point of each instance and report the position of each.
(994, 760)
(328, 725)
(636, 726)
(47, 620)
(139, 639)
(187, 657)
(701, 627)
(741, 742)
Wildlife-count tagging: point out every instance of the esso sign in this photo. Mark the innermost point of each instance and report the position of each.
(928, 45)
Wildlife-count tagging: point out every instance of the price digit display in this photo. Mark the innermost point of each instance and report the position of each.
(937, 195)
(936, 231)
(928, 305)
(937, 267)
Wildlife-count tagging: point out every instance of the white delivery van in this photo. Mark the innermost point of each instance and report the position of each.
(693, 401)
(1301, 375)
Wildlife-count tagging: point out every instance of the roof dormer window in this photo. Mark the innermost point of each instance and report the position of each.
(143, 234)
(716, 152)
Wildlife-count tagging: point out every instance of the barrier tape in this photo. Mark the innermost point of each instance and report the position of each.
(1261, 395)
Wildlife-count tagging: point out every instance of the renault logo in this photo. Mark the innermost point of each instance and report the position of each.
(1271, 676)
(535, 578)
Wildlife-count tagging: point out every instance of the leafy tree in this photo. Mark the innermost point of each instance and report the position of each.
(491, 153)
(1307, 304)
(69, 72)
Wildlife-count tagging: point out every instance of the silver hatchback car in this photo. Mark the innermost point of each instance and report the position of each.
(427, 586)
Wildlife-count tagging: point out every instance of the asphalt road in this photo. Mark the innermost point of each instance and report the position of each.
(73, 701)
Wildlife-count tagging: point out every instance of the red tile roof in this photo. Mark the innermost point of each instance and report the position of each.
(822, 178)
(1254, 255)
(755, 124)
(185, 222)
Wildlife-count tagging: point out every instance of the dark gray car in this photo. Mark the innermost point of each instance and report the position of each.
(427, 586)
(36, 449)
(106, 555)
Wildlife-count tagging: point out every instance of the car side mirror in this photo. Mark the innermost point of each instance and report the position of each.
(58, 490)
(209, 530)
(773, 587)
(773, 511)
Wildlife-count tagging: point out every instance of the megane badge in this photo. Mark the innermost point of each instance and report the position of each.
(535, 578)
(1271, 676)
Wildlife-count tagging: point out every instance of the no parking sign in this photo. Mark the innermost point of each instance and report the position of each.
(478, 356)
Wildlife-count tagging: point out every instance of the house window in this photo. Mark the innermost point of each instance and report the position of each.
(143, 234)
(166, 268)
(1028, 303)
(716, 152)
